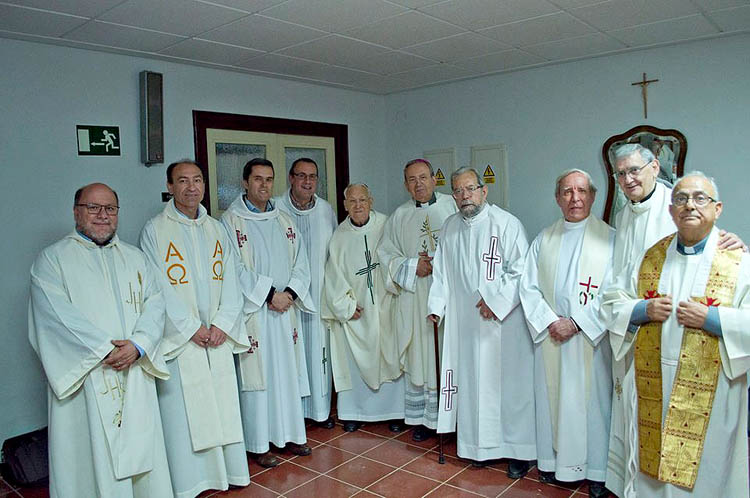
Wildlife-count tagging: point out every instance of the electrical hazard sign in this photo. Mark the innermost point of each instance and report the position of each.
(440, 178)
(488, 175)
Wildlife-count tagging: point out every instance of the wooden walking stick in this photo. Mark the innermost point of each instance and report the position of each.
(441, 455)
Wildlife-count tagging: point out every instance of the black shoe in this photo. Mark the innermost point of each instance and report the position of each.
(396, 427)
(546, 477)
(351, 426)
(422, 433)
(327, 423)
(597, 490)
(517, 468)
(479, 464)
(299, 449)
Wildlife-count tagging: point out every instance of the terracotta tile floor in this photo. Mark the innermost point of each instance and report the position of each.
(373, 462)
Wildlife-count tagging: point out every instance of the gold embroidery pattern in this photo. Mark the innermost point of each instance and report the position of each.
(673, 454)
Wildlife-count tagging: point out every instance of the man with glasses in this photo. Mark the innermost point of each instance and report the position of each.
(204, 331)
(409, 241)
(643, 221)
(681, 308)
(96, 318)
(487, 380)
(316, 222)
(567, 266)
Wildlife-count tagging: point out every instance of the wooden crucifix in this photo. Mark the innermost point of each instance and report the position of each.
(644, 93)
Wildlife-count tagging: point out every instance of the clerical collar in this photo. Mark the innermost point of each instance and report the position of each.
(691, 250)
(299, 206)
(572, 225)
(251, 206)
(358, 225)
(645, 198)
(432, 201)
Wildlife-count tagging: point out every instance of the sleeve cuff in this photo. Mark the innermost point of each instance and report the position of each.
(712, 324)
(638, 316)
(141, 352)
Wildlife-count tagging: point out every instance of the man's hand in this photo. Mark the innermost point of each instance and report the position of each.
(728, 240)
(217, 337)
(357, 313)
(485, 311)
(280, 302)
(691, 314)
(424, 266)
(201, 337)
(562, 329)
(122, 356)
(433, 318)
(658, 309)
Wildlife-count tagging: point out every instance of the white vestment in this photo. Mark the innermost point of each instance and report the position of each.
(316, 225)
(722, 471)
(412, 229)
(105, 434)
(487, 380)
(199, 403)
(364, 353)
(572, 426)
(270, 256)
(639, 226)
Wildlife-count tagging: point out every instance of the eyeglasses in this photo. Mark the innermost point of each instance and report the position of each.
(632, 172)
(303, 176)
(470, 189)
(699, 199)
(97, 208)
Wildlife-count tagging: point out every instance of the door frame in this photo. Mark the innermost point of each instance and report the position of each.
(202, 120)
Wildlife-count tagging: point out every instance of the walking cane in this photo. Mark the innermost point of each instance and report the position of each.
(441, 456)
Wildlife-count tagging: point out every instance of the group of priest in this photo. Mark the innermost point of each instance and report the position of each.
(615, 356)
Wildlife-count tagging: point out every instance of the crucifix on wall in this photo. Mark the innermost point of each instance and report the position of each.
(644, 93)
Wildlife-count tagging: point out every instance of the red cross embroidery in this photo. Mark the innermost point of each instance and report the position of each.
(710, 301)
(253, 345)
(290, 234)
(650, 294)
(241, 237)
(583, 297)
(295, 336)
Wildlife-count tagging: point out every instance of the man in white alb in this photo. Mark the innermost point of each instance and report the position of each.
(316, 222)
(567, 266)
(363, 344)
(682, 308)
(409, 241)
(199, 403)
(275, 280)
(641, 223)
(487, 380)
(96, 318)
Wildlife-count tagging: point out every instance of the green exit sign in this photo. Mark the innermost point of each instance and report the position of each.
(98, 140)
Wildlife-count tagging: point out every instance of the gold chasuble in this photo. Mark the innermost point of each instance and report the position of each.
(672, 453)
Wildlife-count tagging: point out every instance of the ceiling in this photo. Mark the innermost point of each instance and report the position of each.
(378, 46)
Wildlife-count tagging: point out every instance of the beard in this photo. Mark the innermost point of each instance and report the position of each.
(470, 210)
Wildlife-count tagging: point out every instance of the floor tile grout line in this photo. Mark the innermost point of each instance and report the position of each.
(402, 468)
(301, 484)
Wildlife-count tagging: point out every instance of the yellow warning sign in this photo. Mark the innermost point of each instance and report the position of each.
(489, 175)
(440, 177)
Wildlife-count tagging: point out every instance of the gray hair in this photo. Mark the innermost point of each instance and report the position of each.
(570, 171)
(701, 174)
(363, 185)
(466, 169)
(417, 161)
(628, 150)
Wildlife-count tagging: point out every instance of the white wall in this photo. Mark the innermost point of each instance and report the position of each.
(558, 117)
(46, 91)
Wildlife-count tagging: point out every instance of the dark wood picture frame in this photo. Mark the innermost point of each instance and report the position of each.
(203, 120)
(625, 137)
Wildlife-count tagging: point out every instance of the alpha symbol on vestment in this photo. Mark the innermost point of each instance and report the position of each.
(290, 234)
(241, 238)
(368, 269)
(449, 390)
(492, 258)
(585, 295)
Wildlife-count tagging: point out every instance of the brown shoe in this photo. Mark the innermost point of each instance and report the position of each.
(298, 449)
(266, 460)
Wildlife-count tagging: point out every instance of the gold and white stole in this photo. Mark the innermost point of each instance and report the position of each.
(251, 362)
(209, 384)
(595, 256)
(672, 453)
